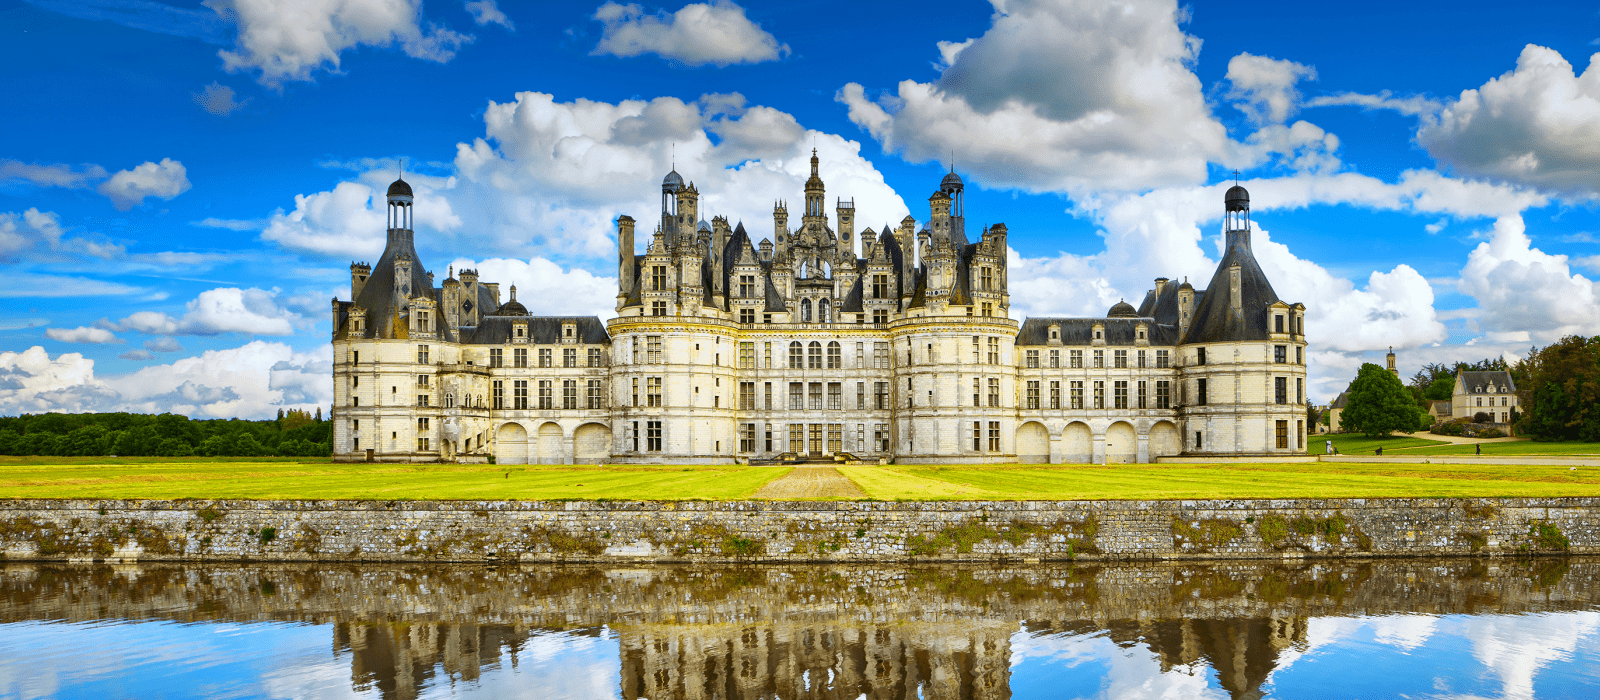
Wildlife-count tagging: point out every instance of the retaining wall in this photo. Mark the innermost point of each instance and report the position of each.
(802, 531)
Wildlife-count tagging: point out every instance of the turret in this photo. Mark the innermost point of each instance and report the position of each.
(1392, 368)
(625, 269)
(1236, 217)
(847, 228)
(359, 272)
(780, 226)
(1185, 307)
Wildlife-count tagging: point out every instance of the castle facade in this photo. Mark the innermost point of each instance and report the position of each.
(896, 346)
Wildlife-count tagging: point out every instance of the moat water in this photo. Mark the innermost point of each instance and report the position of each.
(1447, 628)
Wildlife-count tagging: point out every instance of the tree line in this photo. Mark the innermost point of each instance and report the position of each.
(1558, 387)
(294, 433)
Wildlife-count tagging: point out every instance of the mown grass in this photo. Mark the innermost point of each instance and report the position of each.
(1358, 444)
(1519, 447)
(1185, 481)
(267, 478)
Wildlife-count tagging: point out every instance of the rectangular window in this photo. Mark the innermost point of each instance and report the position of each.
(569, 357)
(498, 395)
(1299, 356)
(635, 392)
(519, 357)
(977, 392)
(747, 316)
(977, 436)
(1076, 359)
(652, 391)
(816, 395)
(977, 352)
(422, 399)
(1197, 440)
(747, 355)
(658, 308)
(1299, 434)
(1163, 359)
(658, 278)
(597, 397)
(1099, 394)
(546, 400)
(652, 344)
(496, 357)
(994, 351)
(987, 277)
(797, 438)
(768, 442)
(569, 394)
(1099, 359)
(1033, 394)
(1077, 394)
(1055, 359)
(1300, 391)
(880, 396)
(861, 437)
(594, 357)
(797, 396)
(880, 355)
(835, 396)
(1119, 359)
(861, 355)
(767, 356)
(747, 286)
(422, 354)
(816, 438)
(1200, 392)
(861, 396)
(1163, 394)
(1280, 354)
(544, 357)
(1055, 395)
(422, 380)
(880, 437)
(880, 316)
(1032, 359)
(1280, 390)
(766, 389)
(994, 392)
(1283, 435)
(1144, 391)
(1141, 359)
(1200, 356)
(519, 398)
(1119, 395)
(631, 435)
(747, 437)
(835, 437)
(747, 397)
(652, 435)
(797, 356)
(994, 436)
(880, 286)
(1277, 323)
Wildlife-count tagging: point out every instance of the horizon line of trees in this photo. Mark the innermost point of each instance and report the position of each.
(293, 433)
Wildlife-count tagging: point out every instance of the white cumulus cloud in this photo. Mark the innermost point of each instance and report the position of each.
(285, 40)
(488, 12)
(82, 334)
(716, 33)
(129, 188)
(56, 175)
(1538, 124)
(351, 218)
(1525, 294)
(216, 311)
(1264, 88)
(546, 288)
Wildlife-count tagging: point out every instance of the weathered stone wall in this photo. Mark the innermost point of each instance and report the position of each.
(810, 531)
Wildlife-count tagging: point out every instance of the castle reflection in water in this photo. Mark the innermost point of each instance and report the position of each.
(796, 633)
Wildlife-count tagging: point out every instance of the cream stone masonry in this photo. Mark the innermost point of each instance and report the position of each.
(898, 347)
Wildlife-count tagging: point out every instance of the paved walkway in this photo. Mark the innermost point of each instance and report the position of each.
(810, 482)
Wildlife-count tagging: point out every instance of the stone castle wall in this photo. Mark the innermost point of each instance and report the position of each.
(811, 531)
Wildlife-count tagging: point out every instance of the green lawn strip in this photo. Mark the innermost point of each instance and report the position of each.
(170, 479)
(1356, 443)
(1223, 481)
(1519, 447)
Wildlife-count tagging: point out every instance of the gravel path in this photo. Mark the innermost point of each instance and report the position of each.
(810, 482)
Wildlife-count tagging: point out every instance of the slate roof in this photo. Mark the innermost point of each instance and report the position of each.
(496, 330)
(1214, 320)
(379, 297)
(1477, 382)
(1080, 331)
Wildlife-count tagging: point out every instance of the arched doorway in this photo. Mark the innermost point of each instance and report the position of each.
(591, 444)
(1077, 444)
(549, 448)
(511, 444)
(1033, 443)
(1122, 444)
(1164, 440)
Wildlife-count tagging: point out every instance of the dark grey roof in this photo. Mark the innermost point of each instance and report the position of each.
(496, 330)
(380, 299)
(1214, 319)
(1340, 401)
(1122, 309)
(951, 182)
(672, 182)
(852, 299)
(1237, 199)
(1163, 307)
(399, 187)
(774, 299)
(1475, 381)
(511, 308)
(891, 250)
(1080, 331)
(634, 296)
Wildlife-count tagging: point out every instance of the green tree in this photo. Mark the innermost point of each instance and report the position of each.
(1562, 384)
(1378, 404)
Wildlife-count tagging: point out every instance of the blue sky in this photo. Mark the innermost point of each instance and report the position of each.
(183, 184)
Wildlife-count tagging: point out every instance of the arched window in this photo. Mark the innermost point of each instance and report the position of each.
(805, 310)
(822, 311)
(796, 356)
(835, 359)
(449, 400)
(814, 355)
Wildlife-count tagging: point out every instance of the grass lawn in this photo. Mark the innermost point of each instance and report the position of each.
(1358, 444)
(268, 478)
(1520, 447)
(1180, 481)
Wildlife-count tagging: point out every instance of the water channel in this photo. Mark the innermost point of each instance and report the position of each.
(1446, 628)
